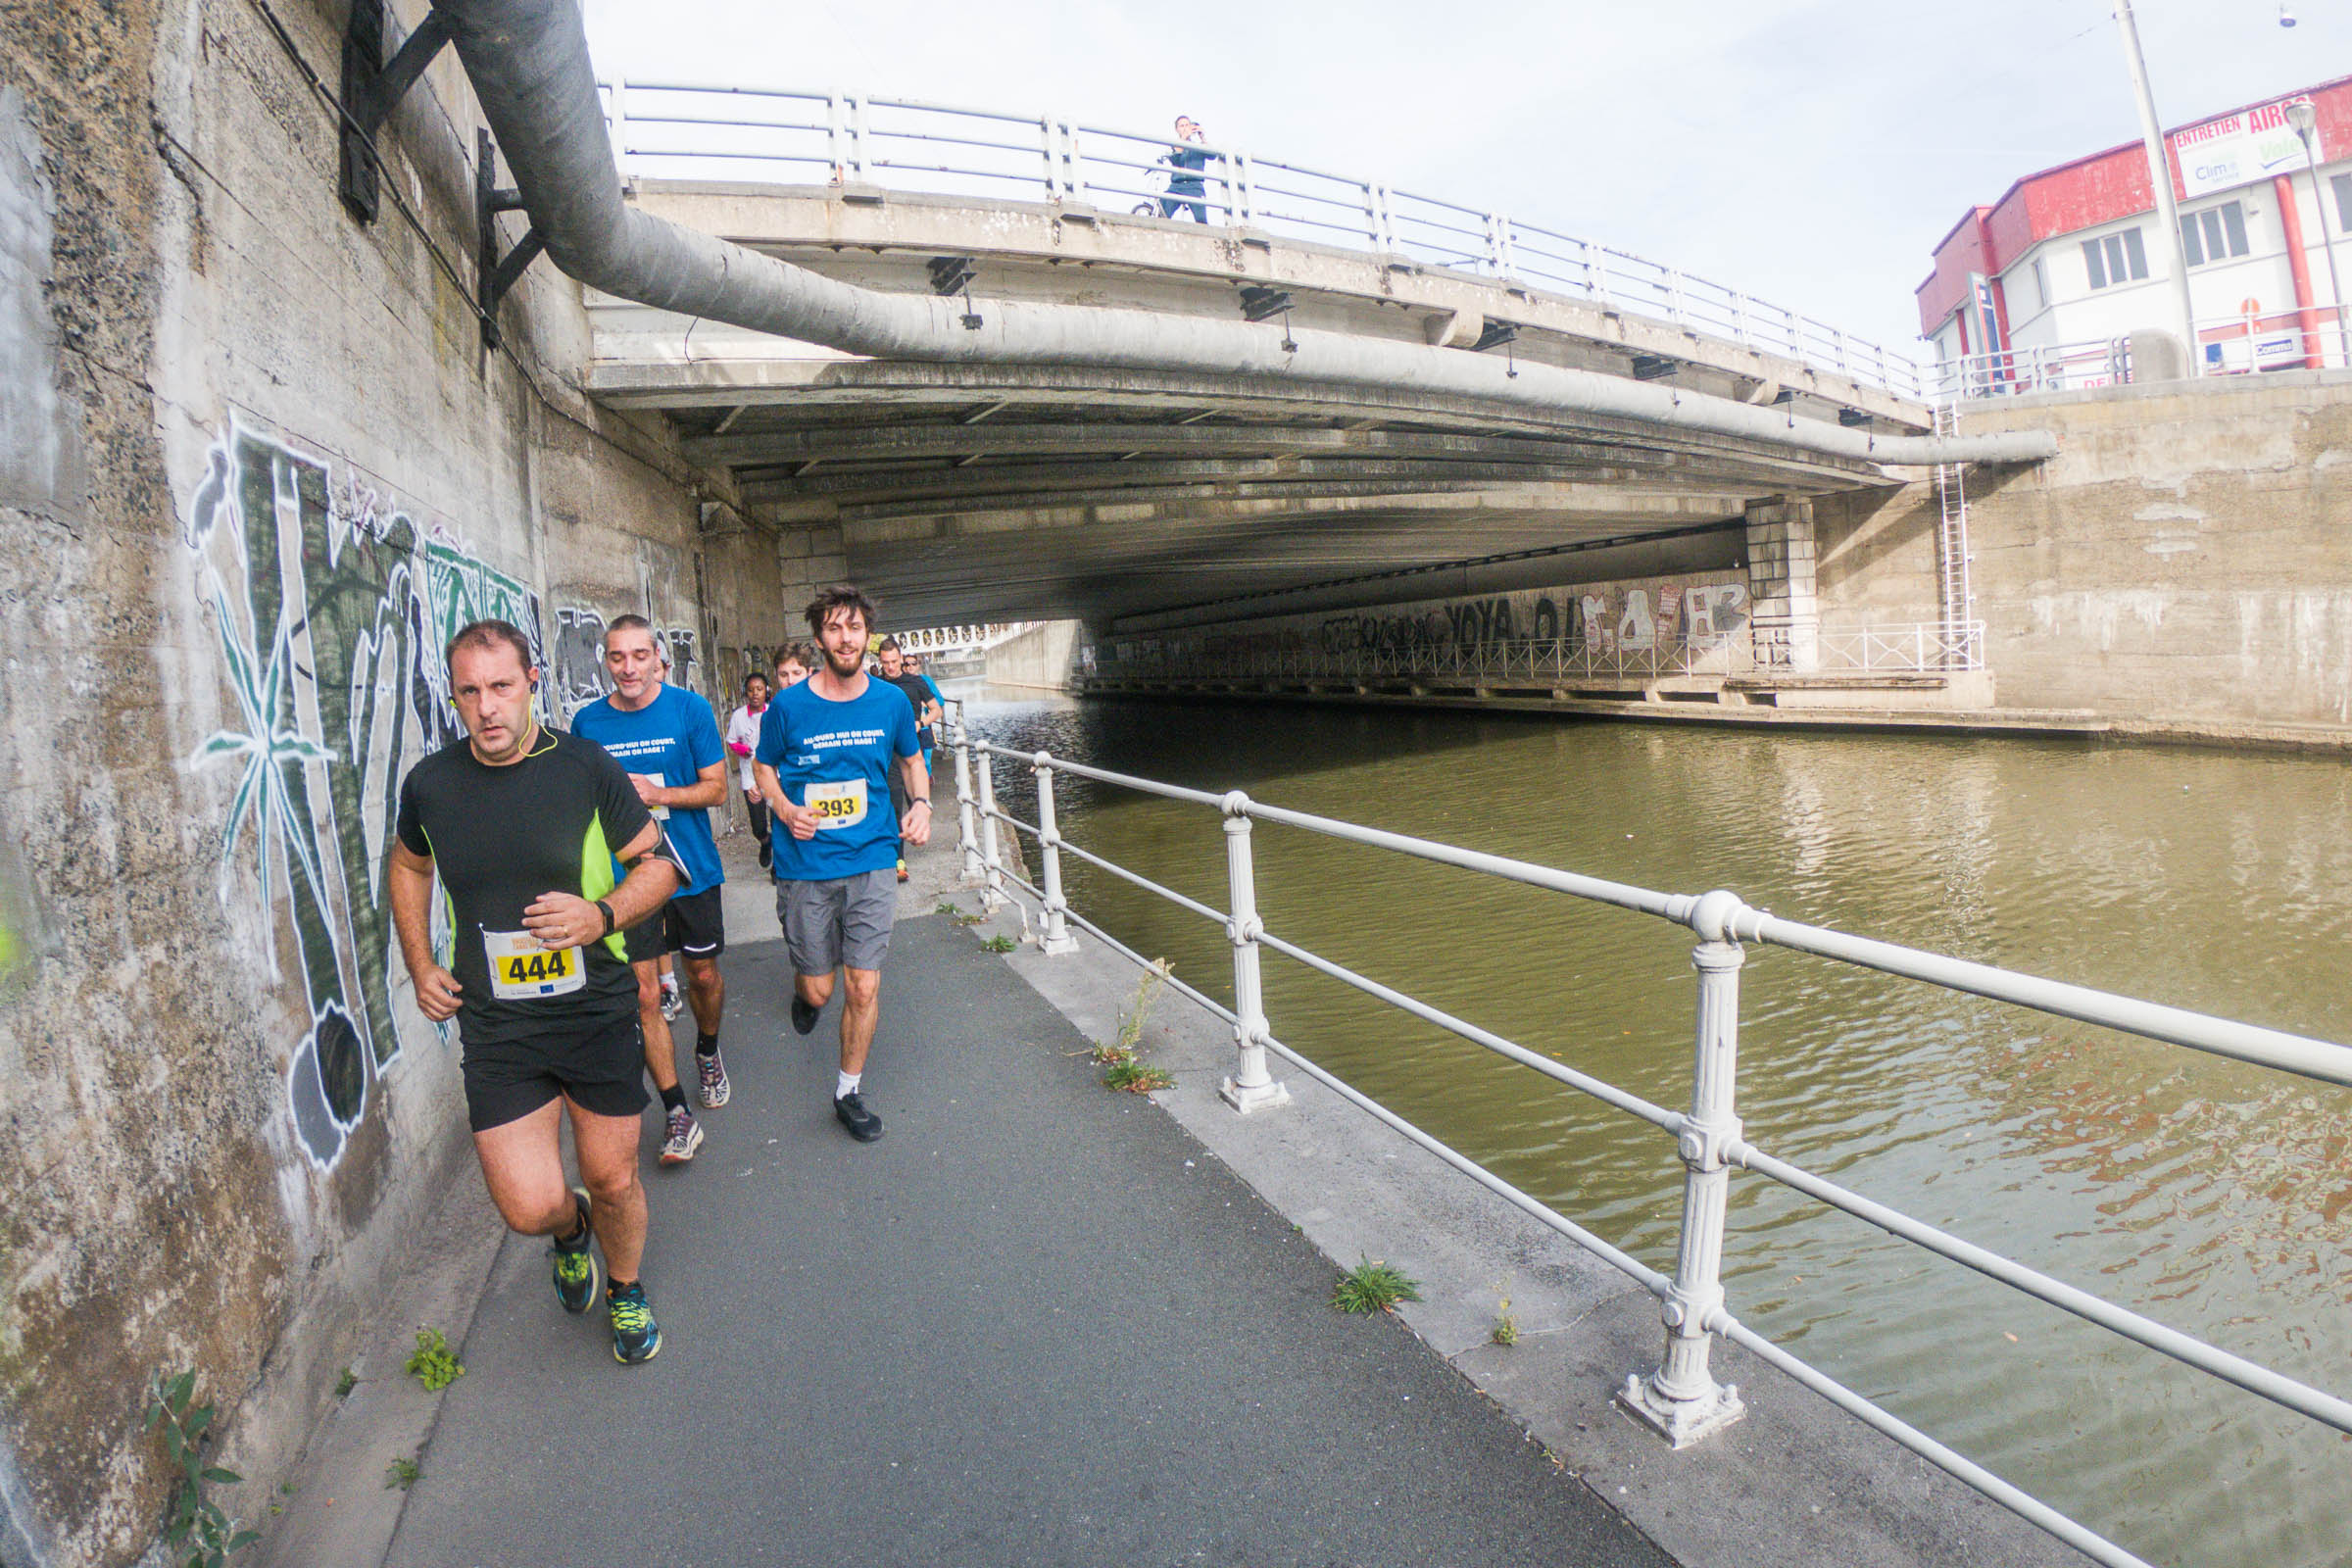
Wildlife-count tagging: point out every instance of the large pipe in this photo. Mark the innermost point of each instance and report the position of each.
(529, 61)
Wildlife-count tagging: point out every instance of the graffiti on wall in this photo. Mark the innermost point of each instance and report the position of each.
(1700, 614)
(331, 606)
(576, 655)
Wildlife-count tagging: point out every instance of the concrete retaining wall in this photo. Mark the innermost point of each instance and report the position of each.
(1045, 656)
(255, 467)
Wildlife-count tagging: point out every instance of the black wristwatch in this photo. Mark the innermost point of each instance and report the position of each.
(608, 909)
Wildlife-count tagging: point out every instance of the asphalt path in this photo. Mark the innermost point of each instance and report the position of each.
(1036, 1323)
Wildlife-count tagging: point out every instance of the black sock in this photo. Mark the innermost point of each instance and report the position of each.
(675, 1097)
(706, 1045)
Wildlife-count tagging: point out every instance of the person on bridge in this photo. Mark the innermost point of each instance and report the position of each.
(522, 823)
(926, 714)
(1185, 160)
(743, 734)
(827, 749)
(667, 739)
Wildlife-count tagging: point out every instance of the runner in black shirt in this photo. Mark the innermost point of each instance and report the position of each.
(522, 823)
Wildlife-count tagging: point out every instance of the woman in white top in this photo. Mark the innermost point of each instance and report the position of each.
(743, 739)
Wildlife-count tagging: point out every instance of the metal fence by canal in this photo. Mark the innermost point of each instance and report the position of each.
(1681, 1398)
(804, 137)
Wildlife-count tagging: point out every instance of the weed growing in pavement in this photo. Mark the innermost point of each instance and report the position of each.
(401, 1473)
(349, 1381)
(198, 1523)
(432, 1364)
(955, 912)
(1373, 1286)
(999, 944)
(1136, 1077)
(1506, 1327)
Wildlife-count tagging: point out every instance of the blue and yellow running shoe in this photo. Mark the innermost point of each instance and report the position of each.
(575, 1261)
(636, 1337)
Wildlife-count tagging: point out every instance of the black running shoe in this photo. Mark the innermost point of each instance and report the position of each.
(767, 855)
(864, 1124)
(636, 1337)
(804, 1016)
(575, 1262)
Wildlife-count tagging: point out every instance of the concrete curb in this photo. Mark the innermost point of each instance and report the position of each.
(1794, 1485)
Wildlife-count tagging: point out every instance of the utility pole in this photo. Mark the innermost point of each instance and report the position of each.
(2304, 119)
(2159, 173)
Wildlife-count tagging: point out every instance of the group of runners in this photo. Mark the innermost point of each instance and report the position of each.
(575, 865)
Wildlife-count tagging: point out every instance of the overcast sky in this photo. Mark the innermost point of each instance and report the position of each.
(1810, 151)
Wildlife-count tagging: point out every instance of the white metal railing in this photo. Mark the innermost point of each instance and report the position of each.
(1680, 1397)
(2040, 368)
(806, 137)
(1922, 648)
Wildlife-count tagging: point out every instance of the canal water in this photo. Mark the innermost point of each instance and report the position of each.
(2206, 1194)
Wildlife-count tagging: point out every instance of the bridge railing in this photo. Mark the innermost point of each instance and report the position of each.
(681, 129)
(1927, 647)
(1680, 1397)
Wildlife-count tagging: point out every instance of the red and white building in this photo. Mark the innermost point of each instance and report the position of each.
(2068, 259)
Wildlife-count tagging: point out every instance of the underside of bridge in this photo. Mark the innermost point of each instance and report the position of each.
(975, 492)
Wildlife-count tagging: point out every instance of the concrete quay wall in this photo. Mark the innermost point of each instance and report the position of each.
(255, 467)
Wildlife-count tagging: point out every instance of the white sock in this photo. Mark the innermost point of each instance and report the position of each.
(846, 1083)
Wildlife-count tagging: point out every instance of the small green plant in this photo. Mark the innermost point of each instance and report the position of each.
(999, 944)
(432, 1364)
(1506, 1327)
(401, 1473)
(198, 1523)
(349, 1381)
(1136, 1077)
(1373, 1286)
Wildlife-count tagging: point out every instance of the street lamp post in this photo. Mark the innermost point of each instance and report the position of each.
(2159, 175)
(2305, 119)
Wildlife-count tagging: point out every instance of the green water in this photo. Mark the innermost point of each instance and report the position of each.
(2205, 1194)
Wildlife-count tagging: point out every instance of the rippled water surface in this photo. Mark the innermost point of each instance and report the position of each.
(2203, 1193)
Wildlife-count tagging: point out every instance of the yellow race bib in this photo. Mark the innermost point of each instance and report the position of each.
(837, 805)
(522, 970)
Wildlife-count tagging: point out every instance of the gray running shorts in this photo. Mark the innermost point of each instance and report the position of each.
(844, 921)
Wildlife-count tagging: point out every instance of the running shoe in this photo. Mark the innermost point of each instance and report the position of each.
(636, 1337)
(864, 1124)
(713, 1074)
(685, 1137)
(804, 1016)
(901, 871)
(575, 1261)
(767, 855)
(673, 1004)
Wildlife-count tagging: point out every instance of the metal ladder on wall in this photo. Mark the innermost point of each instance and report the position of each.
(1956, 600)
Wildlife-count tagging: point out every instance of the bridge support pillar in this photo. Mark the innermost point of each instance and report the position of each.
(1784, 614)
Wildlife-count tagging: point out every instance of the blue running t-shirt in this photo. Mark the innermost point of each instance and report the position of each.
(835, 757)
(670, 740)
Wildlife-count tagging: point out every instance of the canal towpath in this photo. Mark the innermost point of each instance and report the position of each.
(1038, 1322)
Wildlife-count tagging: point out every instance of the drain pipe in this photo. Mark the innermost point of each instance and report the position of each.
(529, 65)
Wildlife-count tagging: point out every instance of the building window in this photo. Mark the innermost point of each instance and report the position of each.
(2041, 285)
(2214, 234)
(2343, 200)
(2116, 259)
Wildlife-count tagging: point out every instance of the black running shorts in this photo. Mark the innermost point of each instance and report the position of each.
(599, 1070)
(692, 925)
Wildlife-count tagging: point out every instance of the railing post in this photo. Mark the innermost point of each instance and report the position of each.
(1252, 1087)
(1247, 213)
(1050, 132)
(1057, 938)
(975, 872)
(858, 161)
(1681, 1399)
(837, 138)
(618, 112)
(991, 859)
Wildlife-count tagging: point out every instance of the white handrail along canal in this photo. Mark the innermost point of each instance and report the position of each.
(1680, 1399)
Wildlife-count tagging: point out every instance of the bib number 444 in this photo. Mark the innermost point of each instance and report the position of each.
(520, 969)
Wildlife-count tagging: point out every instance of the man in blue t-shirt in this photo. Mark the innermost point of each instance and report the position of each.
(828, 747)
(667, 740)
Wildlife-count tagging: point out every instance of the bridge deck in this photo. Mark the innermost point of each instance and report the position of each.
(1037, 1323)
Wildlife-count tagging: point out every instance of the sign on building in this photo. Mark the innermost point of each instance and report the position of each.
(2240, 149)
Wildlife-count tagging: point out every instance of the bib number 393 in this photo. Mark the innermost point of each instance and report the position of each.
(837, 805)
(520, 969)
